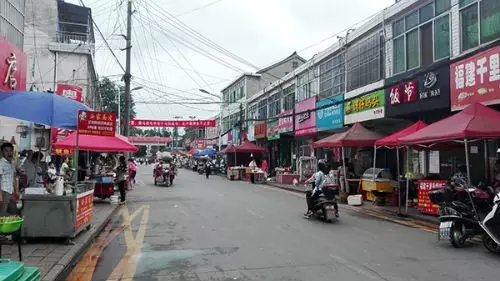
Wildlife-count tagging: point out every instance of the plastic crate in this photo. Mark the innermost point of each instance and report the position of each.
(10, 270)
(30, 274)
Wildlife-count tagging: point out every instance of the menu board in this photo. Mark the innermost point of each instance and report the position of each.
(424, 204)
(84, 208)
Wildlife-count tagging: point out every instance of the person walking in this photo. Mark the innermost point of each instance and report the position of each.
(121, 180)
(207, 168)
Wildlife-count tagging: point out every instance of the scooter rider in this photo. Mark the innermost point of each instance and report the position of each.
(311, 196)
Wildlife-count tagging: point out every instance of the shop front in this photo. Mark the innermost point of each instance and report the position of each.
(329, 120)
(260, 133)
(273, 137)
(286, 141)
(305, 131)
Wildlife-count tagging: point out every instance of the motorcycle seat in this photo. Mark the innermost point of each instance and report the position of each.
(460, 206)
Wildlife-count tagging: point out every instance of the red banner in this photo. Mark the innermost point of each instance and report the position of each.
(96, 123)
(476, 79)
(260, 130)
(84, 208)
(424, 204)
(71, 92)
(172, 123)
(13, 64)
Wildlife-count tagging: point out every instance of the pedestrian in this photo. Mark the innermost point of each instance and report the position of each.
(207, 169)
(7, 173)
(121, 173)
(132, 168)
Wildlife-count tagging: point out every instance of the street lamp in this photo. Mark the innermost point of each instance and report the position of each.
(220, 114)
(119, 108)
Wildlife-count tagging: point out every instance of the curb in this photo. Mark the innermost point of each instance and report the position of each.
(360, 209)
(60, 270)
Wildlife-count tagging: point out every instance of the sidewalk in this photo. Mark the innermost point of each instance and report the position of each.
(53, 260)
(371, 209)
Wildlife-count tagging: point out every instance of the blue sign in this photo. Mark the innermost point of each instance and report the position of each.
(330, 117)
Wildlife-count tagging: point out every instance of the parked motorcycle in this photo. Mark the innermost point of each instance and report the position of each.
(326, 207)
(461, 209)
(491, 227)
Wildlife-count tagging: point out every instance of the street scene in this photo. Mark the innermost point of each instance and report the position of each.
(249, 140)
(216, 229)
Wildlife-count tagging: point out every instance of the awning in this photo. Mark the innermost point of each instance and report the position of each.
(117, 143)
(393, 140)
(356, 136)
(247, 147)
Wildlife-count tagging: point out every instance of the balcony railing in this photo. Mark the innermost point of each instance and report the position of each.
(74, 38)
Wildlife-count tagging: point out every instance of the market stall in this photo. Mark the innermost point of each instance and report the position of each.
(475, 123)
(356, 136)
(243, 154)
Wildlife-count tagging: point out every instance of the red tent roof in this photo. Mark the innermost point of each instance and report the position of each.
(356, 136)
(118, 143)
(393, 140)
(224, 151)
(247, 147)
(474, 122)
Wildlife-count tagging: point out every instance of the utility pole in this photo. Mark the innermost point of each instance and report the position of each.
(241, 122)
(128, 76)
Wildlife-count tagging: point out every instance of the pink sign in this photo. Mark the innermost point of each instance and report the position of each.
(305, 120)
(285, 121)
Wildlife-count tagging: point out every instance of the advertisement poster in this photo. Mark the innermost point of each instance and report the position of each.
(96, 123)
(13, 65)
(367, 107)
(305, 121)
(84, 208)
(71, 92)
(425, 92)
(260, 130)
(285, 121)
(424, 204)
(331, 115)
(272, 130)
(476, 79)
(173, 123)
(251, 133)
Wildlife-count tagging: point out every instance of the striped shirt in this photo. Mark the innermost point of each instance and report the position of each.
(7, 172)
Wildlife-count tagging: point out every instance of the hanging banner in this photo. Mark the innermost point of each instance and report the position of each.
(260, 130)
(96, 123)
(285, 121)
(476, 79)
(364, 108)
(272, 130)
(330, 113)
(173, 123)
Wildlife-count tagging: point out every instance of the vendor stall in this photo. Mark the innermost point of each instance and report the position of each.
(243, 154)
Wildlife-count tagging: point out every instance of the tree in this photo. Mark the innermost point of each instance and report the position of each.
(109, 91)
(175, 135)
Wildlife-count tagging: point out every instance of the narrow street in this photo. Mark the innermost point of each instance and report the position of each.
(222, 230)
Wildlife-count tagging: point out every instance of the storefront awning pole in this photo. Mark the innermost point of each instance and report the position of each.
(407, 178)
(397, 179)
(467, 160)
(374, 162)
(76, 158)
(345, 172)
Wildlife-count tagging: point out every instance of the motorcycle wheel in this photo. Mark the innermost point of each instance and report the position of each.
(326, 217)
(457, 237)
(156, 183)
(490, 244)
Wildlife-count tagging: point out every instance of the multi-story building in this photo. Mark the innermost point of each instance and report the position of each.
(13, 63)
(247, 85)
(60, 44)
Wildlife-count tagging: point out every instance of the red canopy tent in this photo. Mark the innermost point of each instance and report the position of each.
(356, 136)
(118, 143)
(393, 140)
(246, 147)
(224, 151)
(474, 122)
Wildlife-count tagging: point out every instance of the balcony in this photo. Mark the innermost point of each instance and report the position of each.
(73, 42)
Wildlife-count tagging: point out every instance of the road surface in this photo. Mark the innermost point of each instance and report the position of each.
(218, 229)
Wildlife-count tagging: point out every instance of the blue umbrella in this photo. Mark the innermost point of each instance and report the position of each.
(208, 152)
(41, 108)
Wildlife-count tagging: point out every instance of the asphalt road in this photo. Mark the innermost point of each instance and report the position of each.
(217, 229)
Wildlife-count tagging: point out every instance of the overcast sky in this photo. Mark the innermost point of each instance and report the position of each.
(166, 59)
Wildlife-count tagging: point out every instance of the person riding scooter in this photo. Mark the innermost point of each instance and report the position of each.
(311, 196)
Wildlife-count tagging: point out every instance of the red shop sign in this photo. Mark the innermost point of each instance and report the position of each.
(71, 92)
(96, 123)
(260, 130)
(476, 79)
(403, 93)
(424, 204)
(285, 121)
(84, 208)
(13, 63)
(172, 123)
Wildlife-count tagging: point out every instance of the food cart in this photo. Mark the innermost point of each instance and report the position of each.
(375, 183)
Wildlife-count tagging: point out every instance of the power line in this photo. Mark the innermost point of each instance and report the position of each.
(198, 8)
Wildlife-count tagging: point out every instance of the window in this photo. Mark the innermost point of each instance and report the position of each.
(242, 93)
(442, 37)
(414, 45)
(252, 112)
(480, 22)
(12, 22)
(304, 90)
(332, 76)
(289, 97)
(262, 108)
(274, 105)
(365, 61)
(295, 64)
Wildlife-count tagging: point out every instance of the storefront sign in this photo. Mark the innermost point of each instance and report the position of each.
(330, 113)
(96, 123)
(285, 121)
(305, 120)
(70, 91)
(476, 79)
(425, 92)
(272, 130)
(13, 63)
(84, 208)
(367, 107)
(173, 123)
(260, 130)
(424, 204)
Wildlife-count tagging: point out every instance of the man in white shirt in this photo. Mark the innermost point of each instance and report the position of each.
(7, 173)
(30, 169)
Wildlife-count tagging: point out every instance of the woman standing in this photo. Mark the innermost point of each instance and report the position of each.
(132, 167)
(121, 174)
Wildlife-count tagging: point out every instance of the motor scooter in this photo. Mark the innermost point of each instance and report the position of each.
(326, 208)
(491, 227)
(161, 175)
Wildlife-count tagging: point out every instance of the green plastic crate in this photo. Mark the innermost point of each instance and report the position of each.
(10, 270)
(30, 274)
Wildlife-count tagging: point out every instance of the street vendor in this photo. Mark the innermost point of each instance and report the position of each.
(7, 181)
